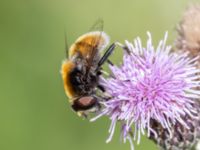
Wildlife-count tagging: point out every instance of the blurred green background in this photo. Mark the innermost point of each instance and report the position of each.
(34, 111)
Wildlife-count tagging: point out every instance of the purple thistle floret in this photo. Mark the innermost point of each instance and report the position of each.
(151, 83)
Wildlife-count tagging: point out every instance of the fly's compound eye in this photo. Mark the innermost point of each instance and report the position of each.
(84, 103)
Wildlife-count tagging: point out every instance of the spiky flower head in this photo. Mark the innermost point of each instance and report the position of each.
(151, 83)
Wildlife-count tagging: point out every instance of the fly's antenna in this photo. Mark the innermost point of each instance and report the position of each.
(66, 45)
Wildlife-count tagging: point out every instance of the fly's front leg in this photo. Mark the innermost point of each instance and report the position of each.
(106, 55)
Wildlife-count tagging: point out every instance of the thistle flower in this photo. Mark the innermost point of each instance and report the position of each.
(151, 83)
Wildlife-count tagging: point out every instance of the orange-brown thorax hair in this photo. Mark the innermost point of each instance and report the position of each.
(87, 42)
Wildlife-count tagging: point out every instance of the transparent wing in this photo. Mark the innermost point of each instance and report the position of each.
(97, 26)
(94, 52)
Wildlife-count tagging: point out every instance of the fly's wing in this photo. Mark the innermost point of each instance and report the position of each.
(97, 26)
(94, 52)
